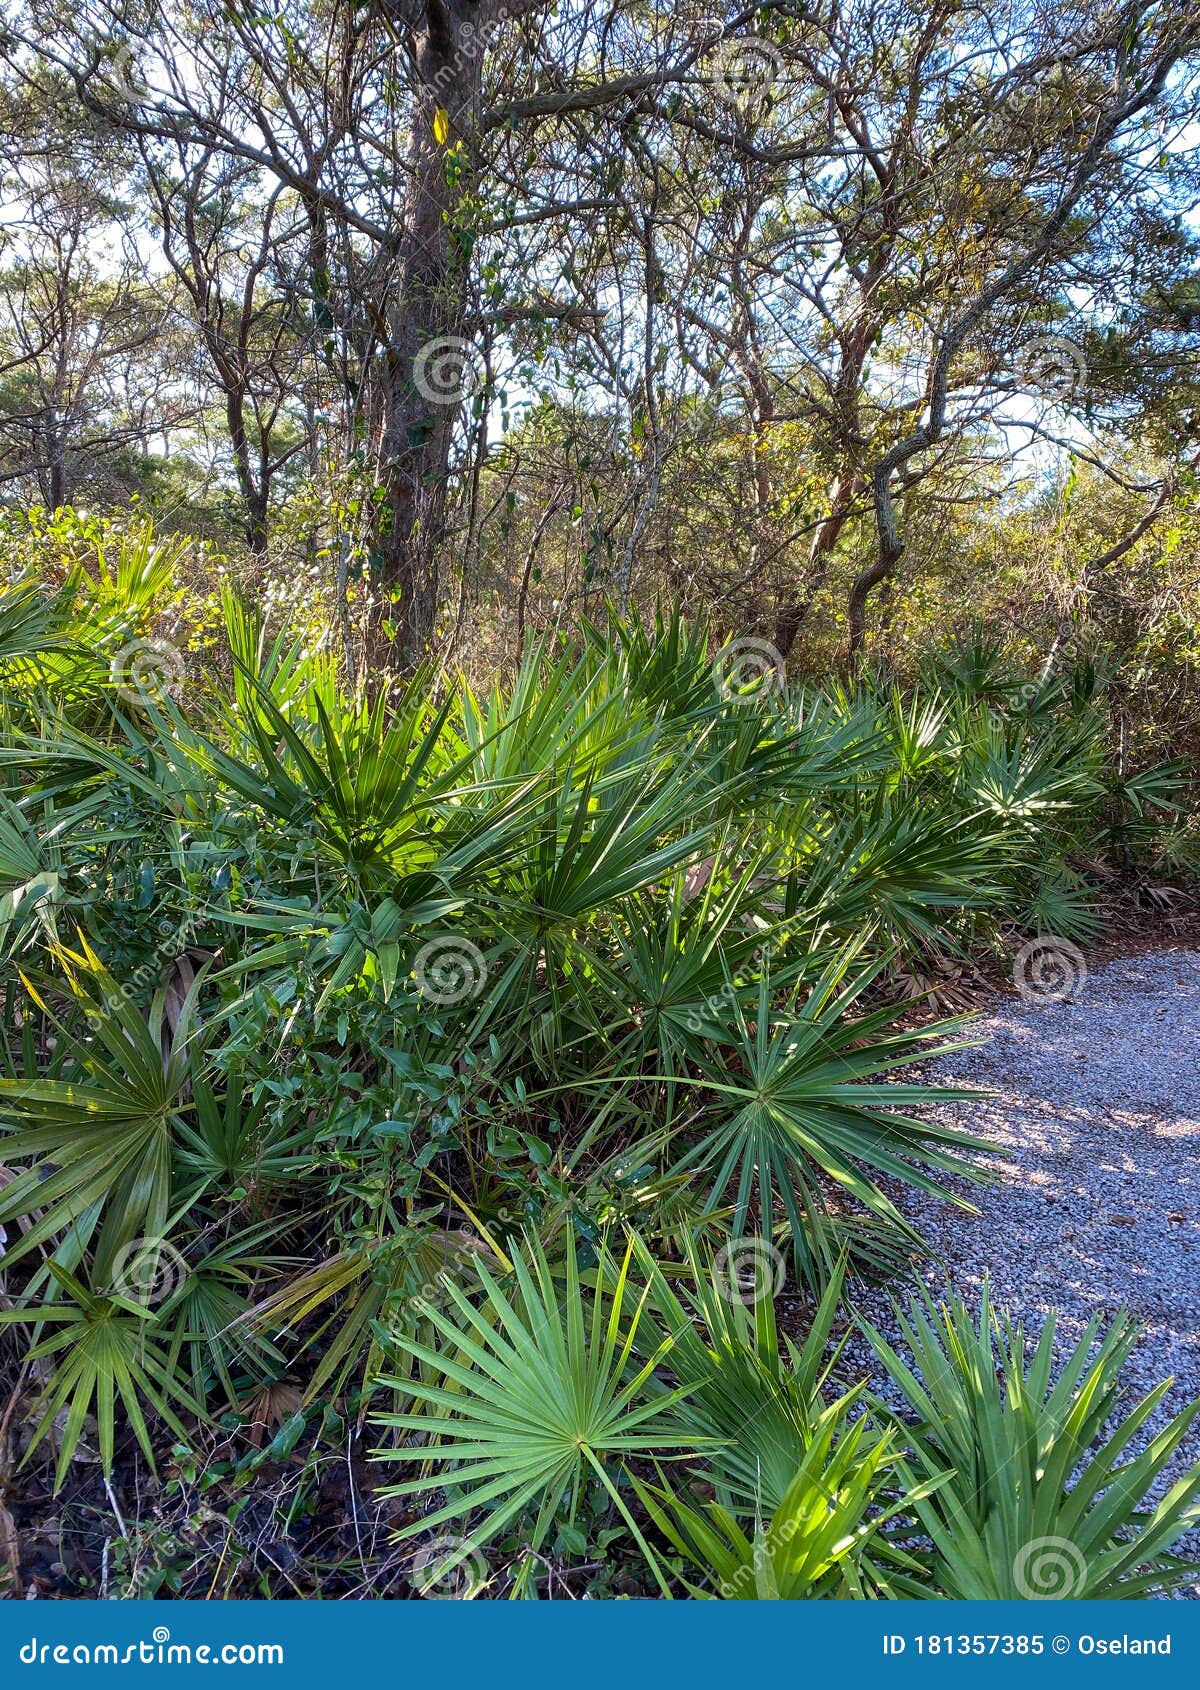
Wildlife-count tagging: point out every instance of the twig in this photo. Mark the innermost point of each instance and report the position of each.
(112, 1503)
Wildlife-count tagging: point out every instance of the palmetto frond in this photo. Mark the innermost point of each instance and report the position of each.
(99, 1143)
(1043, 1464)
(538, 1395)
(822, 1540)
(803, 1096)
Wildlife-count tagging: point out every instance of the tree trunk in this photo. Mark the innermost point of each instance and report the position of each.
(255, 494)
(429, 368)
(56, 485)
(890, 551)
(792, 615)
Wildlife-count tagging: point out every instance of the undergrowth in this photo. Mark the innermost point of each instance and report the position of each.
(459, 1076)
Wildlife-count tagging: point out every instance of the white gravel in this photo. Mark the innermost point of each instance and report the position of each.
(1097, 1204)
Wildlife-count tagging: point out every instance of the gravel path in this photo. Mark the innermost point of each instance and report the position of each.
(1097, 1204)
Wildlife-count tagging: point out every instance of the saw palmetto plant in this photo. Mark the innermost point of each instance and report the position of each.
(428, 1044)
(825, 1537)
(1053, 1485)
(537, 1396)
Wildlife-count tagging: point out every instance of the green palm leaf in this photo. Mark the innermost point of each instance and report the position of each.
(100, 1143)
(824, 1538)
(103, 1353)
(806, 1097)
(538, 1393)
(1045, 1497)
